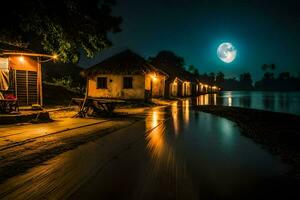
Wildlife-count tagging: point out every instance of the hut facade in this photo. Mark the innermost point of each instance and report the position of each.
(20, 78)
(180, 83)
(125, 75)
(173, 87)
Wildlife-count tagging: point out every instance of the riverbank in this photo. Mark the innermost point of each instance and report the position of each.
(26, 145)
(278, 132)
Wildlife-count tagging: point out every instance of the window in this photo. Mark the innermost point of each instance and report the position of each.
(101, 82)
(127, 82)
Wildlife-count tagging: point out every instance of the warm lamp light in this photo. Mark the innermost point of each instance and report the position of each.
(21, 59)
(154, 77)
(55, 56)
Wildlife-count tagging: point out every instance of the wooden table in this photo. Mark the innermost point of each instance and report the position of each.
(8, 105)
(95, 106)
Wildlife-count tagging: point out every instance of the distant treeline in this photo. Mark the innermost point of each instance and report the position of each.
(283, 82)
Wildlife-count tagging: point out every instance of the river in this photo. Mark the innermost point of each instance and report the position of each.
(288, 102)
(189, 155)
(174, 153)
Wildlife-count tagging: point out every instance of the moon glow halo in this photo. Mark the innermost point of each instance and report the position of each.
(227, 52)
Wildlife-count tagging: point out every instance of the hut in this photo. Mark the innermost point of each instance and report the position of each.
(20, 77)
(173, 87)
(180, 83)
(125, 75)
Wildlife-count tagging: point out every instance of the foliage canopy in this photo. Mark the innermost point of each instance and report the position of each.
(66, 28)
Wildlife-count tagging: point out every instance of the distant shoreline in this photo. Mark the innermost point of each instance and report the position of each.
(279, 132)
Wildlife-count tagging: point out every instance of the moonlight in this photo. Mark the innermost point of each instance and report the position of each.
(227, 52)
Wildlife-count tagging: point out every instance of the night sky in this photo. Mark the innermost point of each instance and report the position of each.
(262, 31)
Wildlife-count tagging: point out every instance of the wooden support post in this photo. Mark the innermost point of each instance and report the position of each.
(40, 82)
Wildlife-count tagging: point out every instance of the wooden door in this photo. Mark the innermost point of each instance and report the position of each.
(26, 87)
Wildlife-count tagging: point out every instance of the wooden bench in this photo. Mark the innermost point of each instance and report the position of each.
(95, 106)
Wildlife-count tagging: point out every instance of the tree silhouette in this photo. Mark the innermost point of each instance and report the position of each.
(191, 68)
(167, 58)
(272, 67)
(264, 67)
(268, 76)
(67, 28)
(212, 78)
(196, 72)
(284, 76)
(246, 81)
(220, 77)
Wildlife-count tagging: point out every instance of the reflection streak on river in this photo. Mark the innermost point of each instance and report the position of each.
(288, 102)
(206, 153)
(176, 153)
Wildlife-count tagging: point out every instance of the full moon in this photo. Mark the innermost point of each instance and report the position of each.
(226, 52)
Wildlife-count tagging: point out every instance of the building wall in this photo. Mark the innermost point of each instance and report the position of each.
(174, 89)
(27, 83)
(186, 89)
(115, 87)
(158, 84)
(25, 63)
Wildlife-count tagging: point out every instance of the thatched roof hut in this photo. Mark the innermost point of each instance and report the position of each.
(125, 63)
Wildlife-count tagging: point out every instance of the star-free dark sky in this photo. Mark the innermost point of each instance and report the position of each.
(262, 31)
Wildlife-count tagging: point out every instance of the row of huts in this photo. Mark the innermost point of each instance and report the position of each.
(125, 75)
(128, 75)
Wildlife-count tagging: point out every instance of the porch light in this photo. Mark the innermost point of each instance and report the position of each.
(54, 56)
(154, 77)
(21, 59)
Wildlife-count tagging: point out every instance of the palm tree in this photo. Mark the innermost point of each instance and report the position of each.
(264, 67)
(273, 67)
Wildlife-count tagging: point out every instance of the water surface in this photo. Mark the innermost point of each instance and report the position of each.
(288, 102)
(174, 153)
(187, 154)
(208, 156)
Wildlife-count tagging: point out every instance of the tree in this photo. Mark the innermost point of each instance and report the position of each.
(220, 78)
(205, 77)
(264, 67)
(246, 80)
(169, 59)
(272, 67)
(67, 27)
(212, 78)
(268, 76)
(196, 72)
(284, 76)
(191, 68)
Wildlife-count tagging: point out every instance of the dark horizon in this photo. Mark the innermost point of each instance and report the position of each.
(262, 31)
